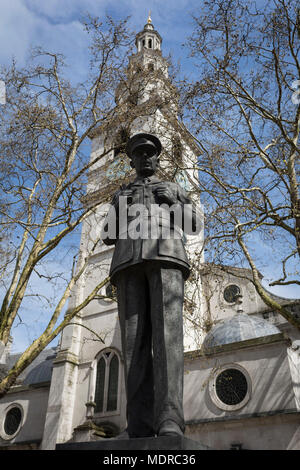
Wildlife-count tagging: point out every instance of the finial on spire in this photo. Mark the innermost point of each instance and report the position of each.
(149, 21)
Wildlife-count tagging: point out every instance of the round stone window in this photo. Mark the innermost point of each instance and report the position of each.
(12, 422)
(230, 387)
(231, 293)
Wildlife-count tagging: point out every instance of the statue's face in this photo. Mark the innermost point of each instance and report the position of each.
(144, 159)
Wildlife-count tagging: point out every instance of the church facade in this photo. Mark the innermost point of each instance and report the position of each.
(242, 374)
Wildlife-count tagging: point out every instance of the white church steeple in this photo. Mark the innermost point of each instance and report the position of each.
(147, 72)
(148, 38)
(149, 55)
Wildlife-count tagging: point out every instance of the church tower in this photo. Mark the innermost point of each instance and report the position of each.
(87, 392)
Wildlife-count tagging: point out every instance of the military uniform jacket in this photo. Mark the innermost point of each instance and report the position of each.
(130, 250)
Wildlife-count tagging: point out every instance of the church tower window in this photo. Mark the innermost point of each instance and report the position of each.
(107, 382)
(120, 142)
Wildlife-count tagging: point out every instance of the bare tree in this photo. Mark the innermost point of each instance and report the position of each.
(244, 110)
(44, 165)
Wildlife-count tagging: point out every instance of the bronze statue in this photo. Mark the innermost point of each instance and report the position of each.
(149, 272)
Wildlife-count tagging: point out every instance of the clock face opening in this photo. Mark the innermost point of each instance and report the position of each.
(118, 169)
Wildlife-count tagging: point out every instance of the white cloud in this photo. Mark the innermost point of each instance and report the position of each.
(64, 11)
(16, 26)
(21, 29)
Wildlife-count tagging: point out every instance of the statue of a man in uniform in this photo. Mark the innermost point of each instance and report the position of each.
(149, 273)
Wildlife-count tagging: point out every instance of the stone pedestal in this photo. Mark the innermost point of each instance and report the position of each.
(144, 443)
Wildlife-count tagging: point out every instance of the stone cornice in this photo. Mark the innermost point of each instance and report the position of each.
(262, 414)
(66, 356)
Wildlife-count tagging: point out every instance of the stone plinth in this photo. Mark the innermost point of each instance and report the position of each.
(144, 443)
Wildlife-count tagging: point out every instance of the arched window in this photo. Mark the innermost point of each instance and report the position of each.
(150, 43)
(107, 382)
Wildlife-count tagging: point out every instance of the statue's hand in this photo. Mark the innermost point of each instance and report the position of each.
(166, 195)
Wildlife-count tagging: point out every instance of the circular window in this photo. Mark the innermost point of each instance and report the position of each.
(232, 293)
(230, 387)
(12, 422)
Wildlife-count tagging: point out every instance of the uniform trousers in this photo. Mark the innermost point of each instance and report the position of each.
(150, 301)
